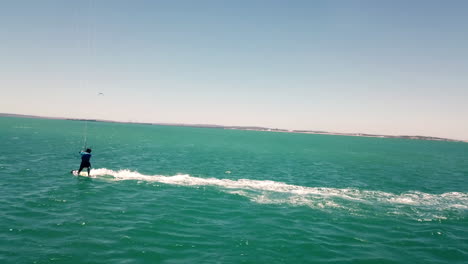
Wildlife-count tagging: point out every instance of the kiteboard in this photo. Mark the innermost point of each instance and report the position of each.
(82, 173)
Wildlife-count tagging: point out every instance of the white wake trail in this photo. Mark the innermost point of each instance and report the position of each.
(272, 192)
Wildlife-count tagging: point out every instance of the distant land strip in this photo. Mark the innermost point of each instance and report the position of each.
(254, 128)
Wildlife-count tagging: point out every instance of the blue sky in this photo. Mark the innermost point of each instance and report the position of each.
(388, 67)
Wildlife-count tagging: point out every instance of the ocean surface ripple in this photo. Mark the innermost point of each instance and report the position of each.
(189, 195)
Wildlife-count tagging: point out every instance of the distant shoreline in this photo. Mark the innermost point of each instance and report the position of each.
(251, 128)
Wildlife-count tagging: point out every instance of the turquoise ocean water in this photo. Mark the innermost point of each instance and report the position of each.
(163, 194)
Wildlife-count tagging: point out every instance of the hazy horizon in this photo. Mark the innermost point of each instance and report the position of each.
(207, 125)
(392, 68)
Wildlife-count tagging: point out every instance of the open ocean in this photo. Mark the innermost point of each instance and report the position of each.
(163, 194)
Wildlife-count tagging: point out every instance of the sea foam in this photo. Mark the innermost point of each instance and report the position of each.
(273, 192)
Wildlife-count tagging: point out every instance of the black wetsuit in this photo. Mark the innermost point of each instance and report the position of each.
(85, 157)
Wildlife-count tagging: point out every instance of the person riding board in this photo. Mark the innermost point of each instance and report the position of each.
(85, 157)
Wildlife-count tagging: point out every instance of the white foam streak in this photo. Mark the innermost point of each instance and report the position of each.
(265, 185)
(266, 191)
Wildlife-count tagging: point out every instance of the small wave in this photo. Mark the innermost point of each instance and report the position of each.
(272, 192)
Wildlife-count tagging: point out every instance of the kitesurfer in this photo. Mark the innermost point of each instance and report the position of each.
(85, 157)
